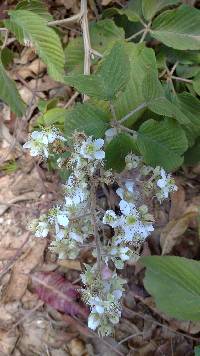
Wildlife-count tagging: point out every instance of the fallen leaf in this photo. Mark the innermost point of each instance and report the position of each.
(175, 228)
(8, 341)
(70, 264)
(56, 291)
(18, 282)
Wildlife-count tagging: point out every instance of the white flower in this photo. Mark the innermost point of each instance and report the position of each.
(42, 229)
(166, 185)
(75, 236)
(110, 133)
(91, 149)
(39, 141)
(129, 192)
(60, 219)
(110, 218)
(93, 321)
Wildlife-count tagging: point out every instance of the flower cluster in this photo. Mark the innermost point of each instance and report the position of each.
(39, 141)
(102, 293)
(71, 222)
(78, 218)
(131, 226)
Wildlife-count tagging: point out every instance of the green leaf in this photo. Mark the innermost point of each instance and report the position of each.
(151, 7)
(179, 28)
(187, 71)
(9, 93)
(117, 150)
(157, 102)
(133, 11)
(111, 76)
(192, 155)
(190, 107)
(103, 35)
(55, 115)
(141, 60)
(197, 351)
(6, 56)
(174, 283)
(196, 83)
(162, 143)
(87, 118)
(45, 105)
(37, 6)
(44, 39)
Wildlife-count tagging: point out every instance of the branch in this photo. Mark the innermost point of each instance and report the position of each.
(74, 18)
(94, 223)
(86, 37)
(140, 107)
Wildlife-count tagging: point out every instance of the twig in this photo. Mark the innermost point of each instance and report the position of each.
(94, 223)
(140, 107)
(15, 257)
(130, 337)
(5, 39)
(71, 100)
(74, 18)
(86, 37)
(96, 53)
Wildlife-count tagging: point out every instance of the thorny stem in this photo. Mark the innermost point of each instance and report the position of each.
(86, 37)
(86, 40)
(94, 223)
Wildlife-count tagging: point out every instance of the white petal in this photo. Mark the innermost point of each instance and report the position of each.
(36, 135)
(62, 219)
(93, 322)
(120, 192)
(99, 143)
(27, 145)
(161, 183)
(74, 236)
(99, 309)
(125, 207)
(99, 155)
(129, 186)
(117, 293)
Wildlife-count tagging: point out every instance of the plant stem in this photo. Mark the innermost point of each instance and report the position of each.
(181, 79)
(74, 18)
(135, 35)
(140, 107)
(86, 40)
(94, 223)
(86, 37)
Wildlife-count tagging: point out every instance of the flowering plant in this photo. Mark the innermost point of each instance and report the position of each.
(118, 234)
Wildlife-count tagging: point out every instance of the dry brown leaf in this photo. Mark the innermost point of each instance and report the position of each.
(106, 2)
(175, 228)
(18, 282)
(77, 347)
(7, 342)
(178, 204)
(70, 264)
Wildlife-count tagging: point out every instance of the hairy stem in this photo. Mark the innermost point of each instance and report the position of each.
(74, 18)
(94, 223)
(126, 117)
